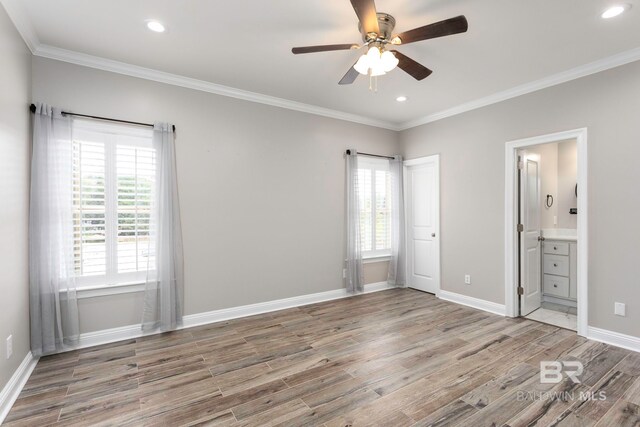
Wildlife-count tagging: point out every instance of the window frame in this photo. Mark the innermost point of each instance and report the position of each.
(374, 164)
(107, 134)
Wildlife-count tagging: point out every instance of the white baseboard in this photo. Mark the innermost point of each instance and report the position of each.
(266, 307)
(614, 338)
(107, 336)
(12, 390)
(480, 304)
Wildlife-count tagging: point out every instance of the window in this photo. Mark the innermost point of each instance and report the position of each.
(374, 182)
(113, 182)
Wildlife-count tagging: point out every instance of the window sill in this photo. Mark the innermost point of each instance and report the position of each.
(375, 258)
(106, 290)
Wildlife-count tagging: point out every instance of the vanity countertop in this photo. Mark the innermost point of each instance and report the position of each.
(564, 234)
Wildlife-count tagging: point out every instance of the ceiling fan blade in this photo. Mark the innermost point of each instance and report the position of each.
(411, 67)
(439, 29)
(366, 11)
(323, 48)
(350, 77)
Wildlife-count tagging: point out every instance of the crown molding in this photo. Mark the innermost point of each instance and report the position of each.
(549, 81)
(18, 15)
(85, 60)
(91, 61)
(21, 21)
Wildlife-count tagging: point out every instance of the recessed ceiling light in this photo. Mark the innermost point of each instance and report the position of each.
(614, 11)
(401, 98)
(155, 26)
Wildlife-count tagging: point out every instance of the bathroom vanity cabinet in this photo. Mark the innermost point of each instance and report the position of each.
(559, 268)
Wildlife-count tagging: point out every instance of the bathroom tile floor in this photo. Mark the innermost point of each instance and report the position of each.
(559, 307)
(556, 318)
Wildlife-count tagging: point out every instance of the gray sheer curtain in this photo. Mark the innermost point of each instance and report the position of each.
(354, 279)
(52, 289)
(397, 266)
(163, 305)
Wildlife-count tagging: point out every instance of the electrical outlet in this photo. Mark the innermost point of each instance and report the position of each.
(9, 346)
(620, 309)
(467, 279)
(555, 220)
(344, 273)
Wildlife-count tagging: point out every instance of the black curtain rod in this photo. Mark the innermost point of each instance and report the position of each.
(371, 155)
(33, 110)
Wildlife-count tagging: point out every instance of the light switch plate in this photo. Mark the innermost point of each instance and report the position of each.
(620, 309)
(467, 279)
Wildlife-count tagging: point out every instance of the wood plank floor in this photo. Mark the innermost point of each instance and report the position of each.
(392, 358)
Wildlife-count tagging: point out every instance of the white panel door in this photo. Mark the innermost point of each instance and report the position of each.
(422, 215)
(530, 261)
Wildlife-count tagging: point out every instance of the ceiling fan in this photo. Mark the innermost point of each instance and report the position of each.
(377, 32)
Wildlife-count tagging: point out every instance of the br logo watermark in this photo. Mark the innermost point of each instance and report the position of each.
(553, 372)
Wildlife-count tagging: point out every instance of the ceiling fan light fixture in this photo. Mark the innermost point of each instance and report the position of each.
(362, 66)
(374, 53)
(389, 61)
(376, 63)
(378, 70)
(372, 36)
(396, 40)
(375, 60)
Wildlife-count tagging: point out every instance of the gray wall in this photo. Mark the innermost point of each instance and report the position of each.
(261, 188)
(558, 177)
(567, 179)
(548, 181)
(471, 146)
(15, 92)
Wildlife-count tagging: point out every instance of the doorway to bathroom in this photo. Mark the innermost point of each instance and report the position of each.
(546, 239)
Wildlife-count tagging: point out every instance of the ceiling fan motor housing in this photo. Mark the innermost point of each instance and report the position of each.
(386, 23)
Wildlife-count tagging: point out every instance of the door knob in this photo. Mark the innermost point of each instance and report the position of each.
(433, 234)
(555, 265)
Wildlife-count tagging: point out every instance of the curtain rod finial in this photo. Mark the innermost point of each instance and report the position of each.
(32, 108)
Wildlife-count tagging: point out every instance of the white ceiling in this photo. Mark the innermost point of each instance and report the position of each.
(246, 44)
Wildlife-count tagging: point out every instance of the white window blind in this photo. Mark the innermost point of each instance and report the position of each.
(113, 181)
(374, 182)
(89, 213)
(135, 177)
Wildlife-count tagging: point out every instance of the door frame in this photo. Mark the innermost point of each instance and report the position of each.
(435, 158)
(510, 215)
